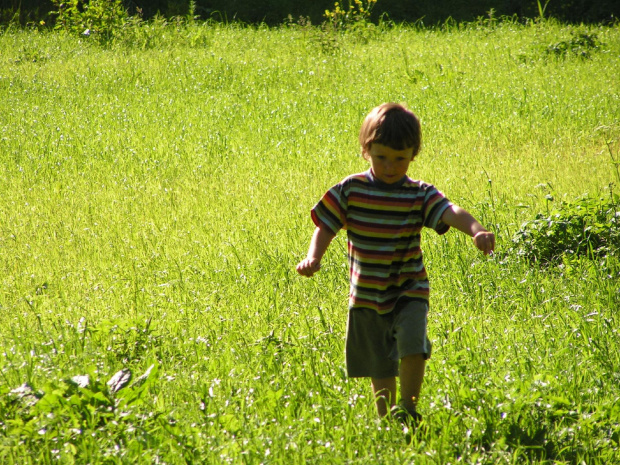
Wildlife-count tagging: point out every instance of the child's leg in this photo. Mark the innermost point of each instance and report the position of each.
(384, 390)
(411, 377)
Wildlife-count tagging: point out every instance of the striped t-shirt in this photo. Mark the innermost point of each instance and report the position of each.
(383, 223)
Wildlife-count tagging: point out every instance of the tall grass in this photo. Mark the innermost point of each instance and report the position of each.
(155, 198)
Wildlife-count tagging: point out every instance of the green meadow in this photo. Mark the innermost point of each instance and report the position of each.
(154, 200)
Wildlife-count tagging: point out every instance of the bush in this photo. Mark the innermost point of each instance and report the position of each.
(97, 18)
(356, 12)
(587, 227)
(581, 44)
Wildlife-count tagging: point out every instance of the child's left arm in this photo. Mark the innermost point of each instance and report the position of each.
(462, 220)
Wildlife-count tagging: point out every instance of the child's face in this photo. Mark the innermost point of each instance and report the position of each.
(388, 165)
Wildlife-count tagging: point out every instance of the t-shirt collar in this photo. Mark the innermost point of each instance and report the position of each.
(384, 185)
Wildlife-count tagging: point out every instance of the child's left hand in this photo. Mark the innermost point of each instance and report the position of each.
(485, 241)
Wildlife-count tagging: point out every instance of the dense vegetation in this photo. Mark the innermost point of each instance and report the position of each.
(155, 186)
(275, 12)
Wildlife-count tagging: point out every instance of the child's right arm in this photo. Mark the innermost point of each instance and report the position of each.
(321, 239)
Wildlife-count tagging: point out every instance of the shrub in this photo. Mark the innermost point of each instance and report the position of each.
(581, 44)
(587, 227)
(356, 13)
(97, 18)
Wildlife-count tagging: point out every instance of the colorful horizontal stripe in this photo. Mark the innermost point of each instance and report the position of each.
(383, 223)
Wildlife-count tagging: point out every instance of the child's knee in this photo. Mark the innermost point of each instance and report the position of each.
(414, 357)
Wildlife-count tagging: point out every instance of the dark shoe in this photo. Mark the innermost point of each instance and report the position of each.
(408, 417)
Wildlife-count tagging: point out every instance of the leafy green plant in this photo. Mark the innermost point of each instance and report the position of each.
(355, 13)
(128, 340)
(91, 18)
(77, 409)
(581, 44)
(542, 9)
(29, 54)
(353, 18)
(587, 227)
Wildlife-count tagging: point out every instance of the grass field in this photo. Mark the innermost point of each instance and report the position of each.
(155, 198)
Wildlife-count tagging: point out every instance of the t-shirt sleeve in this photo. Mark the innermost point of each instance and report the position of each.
(435, 204)
(330, 211)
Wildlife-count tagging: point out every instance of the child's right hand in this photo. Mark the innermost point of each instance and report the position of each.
(308, 266)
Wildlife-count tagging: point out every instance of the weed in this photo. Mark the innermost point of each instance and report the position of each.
(581, 44)
(97, 18)
(541, 9)
(128, 341)
(356, 14)
(75, 411)
(29, 54)
(587, 227)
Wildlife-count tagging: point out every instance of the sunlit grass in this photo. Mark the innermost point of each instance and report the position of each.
(155, 201)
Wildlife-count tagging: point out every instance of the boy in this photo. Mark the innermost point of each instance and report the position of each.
(383, 211)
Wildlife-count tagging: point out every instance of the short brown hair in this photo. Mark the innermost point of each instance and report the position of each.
(392, 125)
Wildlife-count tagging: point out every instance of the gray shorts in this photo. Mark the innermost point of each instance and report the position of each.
(375, 343)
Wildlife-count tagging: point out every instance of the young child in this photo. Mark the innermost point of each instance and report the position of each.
(383, 211)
